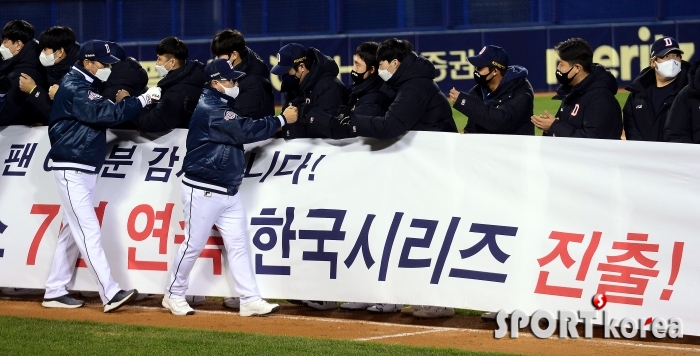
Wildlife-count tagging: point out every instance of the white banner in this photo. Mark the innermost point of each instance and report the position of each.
(485, 222)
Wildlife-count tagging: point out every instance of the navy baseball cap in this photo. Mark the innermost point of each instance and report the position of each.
(490, 56)
(222, 69)
(287, 57)
(117, 50)
(96, 50)
(664, 45)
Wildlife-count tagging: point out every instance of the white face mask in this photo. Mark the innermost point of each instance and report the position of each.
(162, 72)
(47, 60)
(5, 52)
(668, 69)
(232, 92)
(103, 74)
(384, 74)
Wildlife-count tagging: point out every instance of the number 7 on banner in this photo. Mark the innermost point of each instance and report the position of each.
(51, 211)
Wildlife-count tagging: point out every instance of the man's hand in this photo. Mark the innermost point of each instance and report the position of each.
(150, 96)
(543, 121)
(121, 94)
(154, 93)
(291, 113)
(52, 91)
(454, 94)
(26, 83)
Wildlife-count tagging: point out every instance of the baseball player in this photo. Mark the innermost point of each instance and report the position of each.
(213, 169)
(77, 123)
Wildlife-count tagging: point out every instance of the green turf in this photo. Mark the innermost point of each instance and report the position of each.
(24, 336)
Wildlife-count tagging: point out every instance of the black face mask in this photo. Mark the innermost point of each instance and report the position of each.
(289, 82)
(563, 78)
(481, 79)
(357, 78)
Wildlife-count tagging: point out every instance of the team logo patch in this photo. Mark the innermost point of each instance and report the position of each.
(668, 42)
(93, 96)
(464, 101)
(308, 100)
(482, 50)
(638, 106)
(575, 111)
(278, 57)
(229, 115)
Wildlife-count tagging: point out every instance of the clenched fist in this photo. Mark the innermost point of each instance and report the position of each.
(291, 113)
(52, 91)
(121, 94)
(26, 83)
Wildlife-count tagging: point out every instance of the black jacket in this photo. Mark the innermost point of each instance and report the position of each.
(683, 120)
(365, 99)
(181, 89)
(255, 98)
(418, 105)
(16, 110)
(79, 119)
(128, 75)
(39, 98)
(321, 89)
(589, 109)
(638, 113)
(505, 111)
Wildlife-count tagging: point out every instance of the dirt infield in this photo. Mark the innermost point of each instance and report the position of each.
(462, 332)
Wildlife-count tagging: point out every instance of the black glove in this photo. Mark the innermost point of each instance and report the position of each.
(344, 119)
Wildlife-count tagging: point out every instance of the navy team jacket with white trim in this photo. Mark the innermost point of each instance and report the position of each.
(79, 119)
(215, 156)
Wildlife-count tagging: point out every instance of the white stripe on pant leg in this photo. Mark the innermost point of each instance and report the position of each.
(200, 213)
(76, 198)
(232, 226)
(63, 265)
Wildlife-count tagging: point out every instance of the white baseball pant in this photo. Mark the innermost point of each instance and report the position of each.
(80, 234)
(202, 210)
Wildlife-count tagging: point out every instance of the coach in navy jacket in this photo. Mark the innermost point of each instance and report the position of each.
(215, 156)
(80, 116)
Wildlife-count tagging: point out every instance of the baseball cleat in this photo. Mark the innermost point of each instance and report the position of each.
(355, 306)
(385, 308)
(232, 303)
(195, 300)
(434, 313)
(320, 304)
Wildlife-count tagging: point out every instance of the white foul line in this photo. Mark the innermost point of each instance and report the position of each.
(397, 335)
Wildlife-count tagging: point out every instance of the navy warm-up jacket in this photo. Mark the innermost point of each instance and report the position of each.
(215, 156)
(78, 121)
